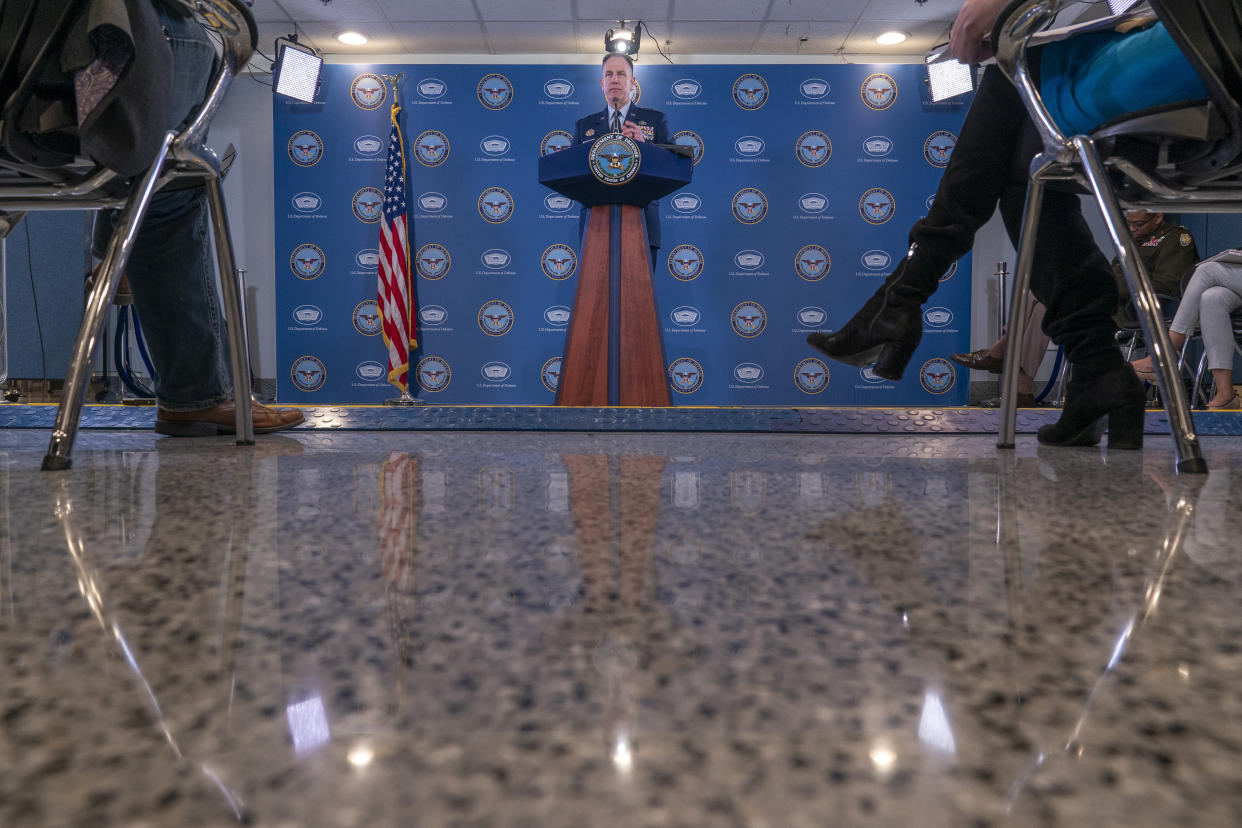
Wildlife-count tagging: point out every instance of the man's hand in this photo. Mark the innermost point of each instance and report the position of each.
(970, 41)
(630, 130)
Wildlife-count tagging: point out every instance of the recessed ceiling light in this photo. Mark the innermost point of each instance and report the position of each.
(356, 39)
(892, 38)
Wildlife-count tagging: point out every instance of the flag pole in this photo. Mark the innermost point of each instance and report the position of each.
(405, 399)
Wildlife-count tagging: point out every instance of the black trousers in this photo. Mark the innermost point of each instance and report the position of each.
(990, 166)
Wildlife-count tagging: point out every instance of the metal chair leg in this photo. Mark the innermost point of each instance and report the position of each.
(1189, 454)
(78, 375)
(1018, 302)
(230, 291)
(1200, 394)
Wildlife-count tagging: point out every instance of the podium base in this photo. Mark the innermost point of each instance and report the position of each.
(614, 352)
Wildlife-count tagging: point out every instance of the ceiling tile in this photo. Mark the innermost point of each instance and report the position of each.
(381, 39)
(270, 30)
(944, 10)
(923, 36)
(520, 38)
(687, 10)
(849, 10)
(440, 38)
(411, 11)
(590, 37)
(270, 12)
(560, 10)
(647, 10)
(783, 37)
(732, 37)
(309, 11)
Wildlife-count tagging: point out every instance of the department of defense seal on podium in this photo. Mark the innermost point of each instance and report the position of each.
(614, 159)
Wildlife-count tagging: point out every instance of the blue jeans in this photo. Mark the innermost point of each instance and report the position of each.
(170, 268)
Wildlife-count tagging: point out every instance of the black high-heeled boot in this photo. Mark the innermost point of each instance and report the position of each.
(888, 328)
(1118, 395)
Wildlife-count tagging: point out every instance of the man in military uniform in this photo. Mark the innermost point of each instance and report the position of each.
(1168, 253)
(633, 121)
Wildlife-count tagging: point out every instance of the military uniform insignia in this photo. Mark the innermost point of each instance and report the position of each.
(1187, 241)
(590, 132)
(1153, 242)
(648, 132)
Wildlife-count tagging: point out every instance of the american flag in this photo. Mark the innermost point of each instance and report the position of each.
(396, 300)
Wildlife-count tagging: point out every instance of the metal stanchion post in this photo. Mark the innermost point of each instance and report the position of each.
(4, 331)
(1002, 279)
(241, 285)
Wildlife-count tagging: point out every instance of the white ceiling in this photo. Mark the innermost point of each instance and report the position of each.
(683, 27)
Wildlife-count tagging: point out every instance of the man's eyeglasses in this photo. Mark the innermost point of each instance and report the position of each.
(1136, 224)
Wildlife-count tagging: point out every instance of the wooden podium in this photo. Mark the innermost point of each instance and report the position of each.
(614, 353)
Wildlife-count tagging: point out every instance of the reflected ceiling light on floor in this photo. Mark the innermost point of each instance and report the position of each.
(360, 756)
(352, 38)
(883, 758)
(621, 40)
(296, 71)
(892, 38)
(934, 729)
(621, 756)
(308, 724)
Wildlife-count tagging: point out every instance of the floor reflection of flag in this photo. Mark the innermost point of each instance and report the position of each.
(398, 521)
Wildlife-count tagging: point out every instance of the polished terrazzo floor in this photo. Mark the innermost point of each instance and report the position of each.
(544, 630)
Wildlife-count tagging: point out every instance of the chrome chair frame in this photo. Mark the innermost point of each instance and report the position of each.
(1130, 333)
(1080, 159)
(84, 185)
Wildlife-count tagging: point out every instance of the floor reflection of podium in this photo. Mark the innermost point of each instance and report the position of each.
(621, 517)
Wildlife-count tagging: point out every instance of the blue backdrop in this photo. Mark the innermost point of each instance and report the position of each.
(807, 181)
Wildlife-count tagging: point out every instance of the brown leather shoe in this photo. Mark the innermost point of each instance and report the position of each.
(208, 422)
(979, 360)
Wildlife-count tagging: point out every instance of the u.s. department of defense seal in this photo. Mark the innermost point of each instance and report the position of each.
(614, 158)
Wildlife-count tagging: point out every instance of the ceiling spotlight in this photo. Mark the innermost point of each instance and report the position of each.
(623, 41)
(352, 38)
(296, 71)
(892, 38)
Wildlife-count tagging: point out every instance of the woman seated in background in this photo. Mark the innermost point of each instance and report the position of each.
(1213, 294)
